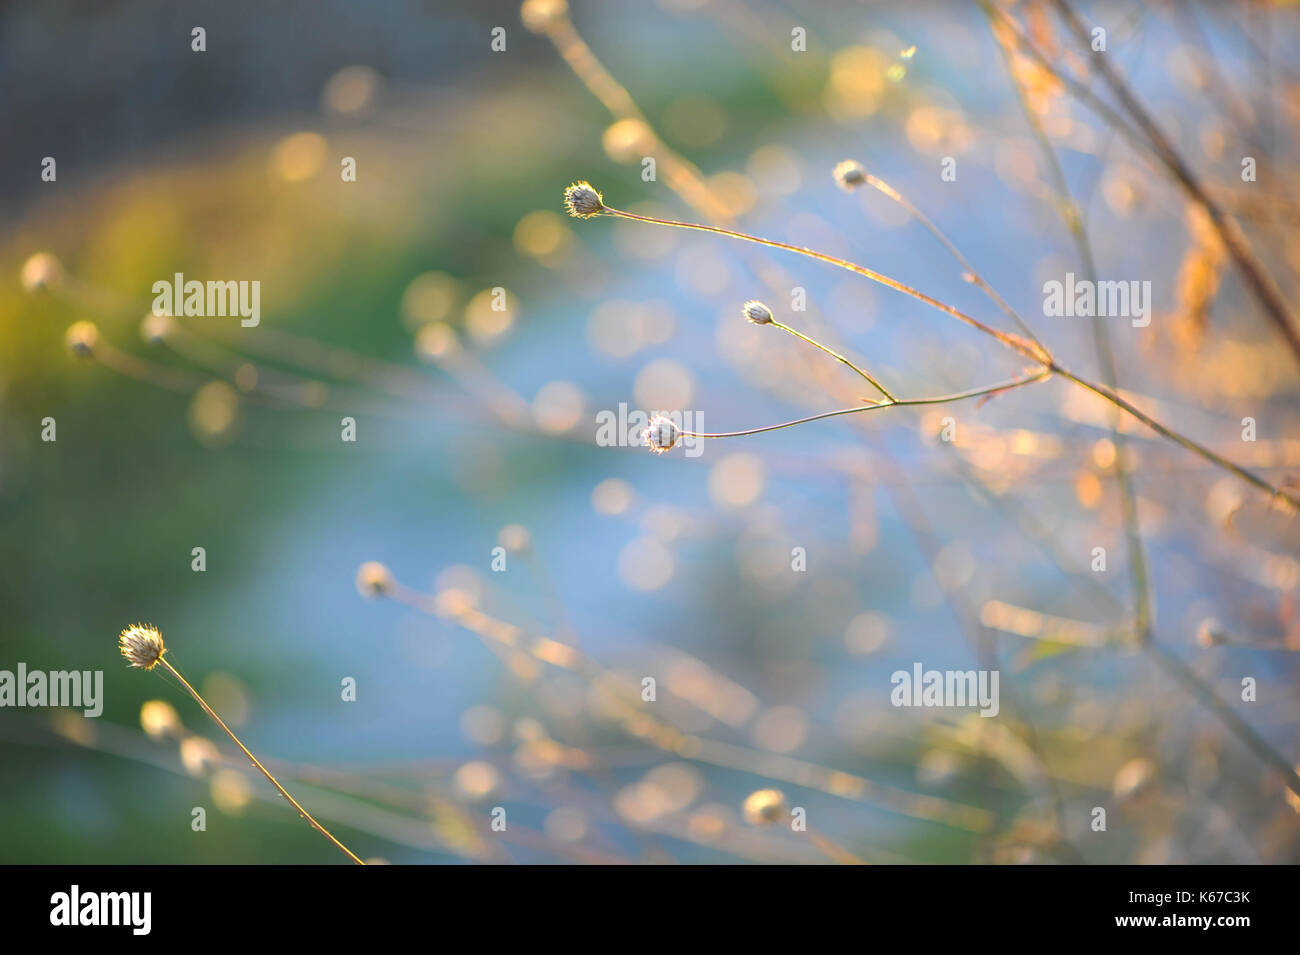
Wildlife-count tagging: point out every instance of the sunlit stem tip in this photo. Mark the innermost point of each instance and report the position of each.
(838, 357)
(760, 314)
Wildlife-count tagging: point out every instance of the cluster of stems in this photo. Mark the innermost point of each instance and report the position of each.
(1026, 346)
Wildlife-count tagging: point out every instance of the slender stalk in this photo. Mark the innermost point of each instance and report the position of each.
(836, 355)
(971, 275)
(1257, 277)
(1248, 476)
(1190, 681)
(833, 849)
(893, 403)
(1047, 541)
(1149, 138)
(1014, 342)
(1072, 216)
(254, 760)
(665, 734)
(1011, 341)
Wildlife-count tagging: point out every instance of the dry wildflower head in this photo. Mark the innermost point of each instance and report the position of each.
(81, 339)
(756, 312)
(41, 271)
(142, 645)
(662, 434)
(374, 579)
(764, 807)
(1209, 633)
(849, 175)
(582, 200)
(541, 15)
(155, 329)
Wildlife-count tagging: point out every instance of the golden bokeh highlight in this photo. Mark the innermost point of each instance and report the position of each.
(489, 315)
(299, 156)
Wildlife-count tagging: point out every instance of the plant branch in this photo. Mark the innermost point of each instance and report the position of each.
(1257, 278)
(837, 356)
(1013, 342)
(262, 769)
(894, 403)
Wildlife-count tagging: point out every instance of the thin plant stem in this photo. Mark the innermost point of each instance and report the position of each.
(1072, 216)
(893, 403)
(1011, 341)
(837, 356)
(1257, 278)
(971, 275)
(1248, 476)
(254, 760)
(1149, 138)
(665, 734)
(678, 172)
(1035, 530)
(1014, 342)
(833, 849)
(1191, 682)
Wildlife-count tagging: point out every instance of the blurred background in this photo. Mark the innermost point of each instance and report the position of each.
(476, 416)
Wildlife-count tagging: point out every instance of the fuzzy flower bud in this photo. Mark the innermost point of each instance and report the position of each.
(756, 312)
(81, 338)
(662, 434)
(582, 200)
(41, 271)
(540, 15)
(155, 329)
(849, 175)
(142, 646)
(764, 807)
(374, 579)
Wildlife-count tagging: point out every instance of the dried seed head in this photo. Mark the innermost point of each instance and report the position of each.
(849, 175)
(582, 200)
(764, 807)
(41, 271)
(81, 339)
(540, 15)
(662, 435)
(154, 329)
(756, 312)
(374, 579)
(1210, 633)
(142, 645)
